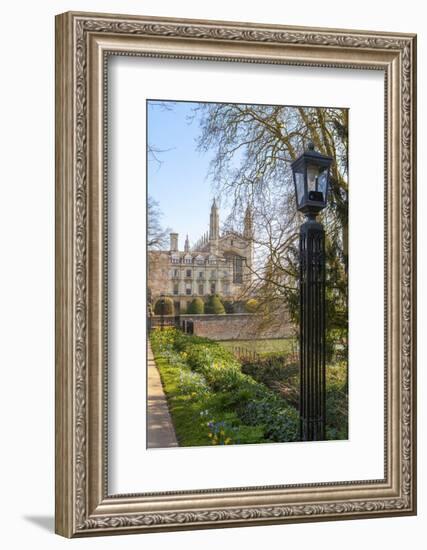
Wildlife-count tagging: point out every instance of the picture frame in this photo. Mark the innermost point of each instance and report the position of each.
(84, 506)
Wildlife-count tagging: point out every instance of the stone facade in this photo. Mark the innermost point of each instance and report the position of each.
(216, 264)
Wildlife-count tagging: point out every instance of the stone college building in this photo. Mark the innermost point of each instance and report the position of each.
(216, 264)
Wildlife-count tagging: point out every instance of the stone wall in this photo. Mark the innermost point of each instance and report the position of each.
(238, 326)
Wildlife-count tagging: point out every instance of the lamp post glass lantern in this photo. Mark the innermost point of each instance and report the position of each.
(311, 179)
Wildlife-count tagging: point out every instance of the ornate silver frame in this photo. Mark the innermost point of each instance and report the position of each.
(83, 42)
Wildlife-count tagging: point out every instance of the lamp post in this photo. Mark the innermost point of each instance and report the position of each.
(311, 179)
(162, 311)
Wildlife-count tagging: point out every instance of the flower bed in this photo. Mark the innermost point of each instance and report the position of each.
(212, 401)
(279, 373)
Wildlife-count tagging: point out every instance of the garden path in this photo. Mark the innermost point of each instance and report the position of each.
(161, 432)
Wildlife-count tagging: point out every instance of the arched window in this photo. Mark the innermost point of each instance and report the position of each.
(238, 270)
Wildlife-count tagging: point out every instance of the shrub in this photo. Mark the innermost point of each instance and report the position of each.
(249, 434)
(228, 306)
(336, 402)
(214, 305)
(251, 305)
(279, 374)
(167, 309)
(280, 421)
(192, 383)
(196, 307)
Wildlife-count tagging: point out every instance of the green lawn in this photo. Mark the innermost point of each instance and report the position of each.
(276, 345)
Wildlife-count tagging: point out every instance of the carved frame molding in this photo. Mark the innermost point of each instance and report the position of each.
(83, 43)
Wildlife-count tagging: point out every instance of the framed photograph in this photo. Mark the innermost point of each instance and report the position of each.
(235, 274)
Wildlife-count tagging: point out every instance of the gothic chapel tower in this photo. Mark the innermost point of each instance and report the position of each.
(248, 226)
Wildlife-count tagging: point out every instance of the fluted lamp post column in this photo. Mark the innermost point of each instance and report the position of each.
(311, 179)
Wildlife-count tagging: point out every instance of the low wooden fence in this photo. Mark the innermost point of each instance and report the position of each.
(247, 354)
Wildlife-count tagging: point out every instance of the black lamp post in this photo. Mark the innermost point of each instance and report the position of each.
(162, 311)
(311, 179)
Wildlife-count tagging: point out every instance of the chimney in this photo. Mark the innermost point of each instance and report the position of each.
(174, 242)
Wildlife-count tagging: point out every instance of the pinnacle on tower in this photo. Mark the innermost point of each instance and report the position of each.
(248, 225)
(214, 222)
(187, 244)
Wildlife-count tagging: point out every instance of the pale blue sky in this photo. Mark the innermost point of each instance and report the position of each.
(179, 183)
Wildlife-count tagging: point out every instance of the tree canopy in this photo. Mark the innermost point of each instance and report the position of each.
(253, 146)
(157, 236)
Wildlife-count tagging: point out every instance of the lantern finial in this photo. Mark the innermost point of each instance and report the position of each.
(311, 179)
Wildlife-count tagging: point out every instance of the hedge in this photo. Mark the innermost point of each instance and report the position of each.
(168, 307)
(251, 305)
(196, 307)
(214, 305)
